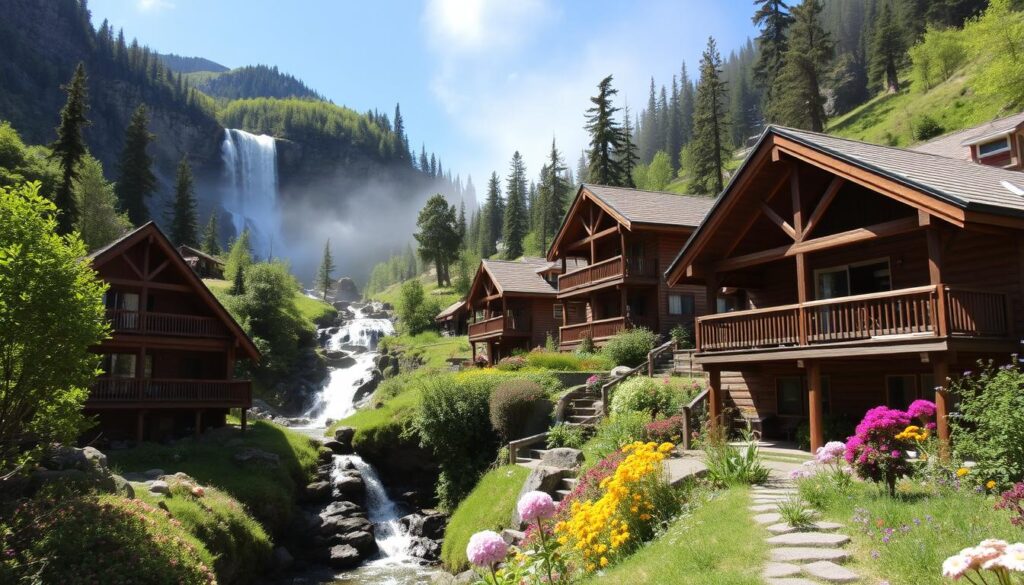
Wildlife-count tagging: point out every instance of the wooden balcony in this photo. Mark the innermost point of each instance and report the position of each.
(595, 330)
(610, 271)
(122, 392)
(147, 323)
(513, 324)
(936, 312)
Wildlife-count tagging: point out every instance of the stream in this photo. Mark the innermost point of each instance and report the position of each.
(393, 565)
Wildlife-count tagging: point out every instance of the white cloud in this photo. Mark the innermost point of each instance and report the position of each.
(154, 5)
(476, 26)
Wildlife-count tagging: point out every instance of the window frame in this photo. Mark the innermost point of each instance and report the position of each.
(887, 260)
(802, 382)
(1006, 147)
(682, 305)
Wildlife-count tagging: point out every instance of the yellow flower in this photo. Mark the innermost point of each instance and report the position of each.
(962, 472)
(604, 561)
(991, 484)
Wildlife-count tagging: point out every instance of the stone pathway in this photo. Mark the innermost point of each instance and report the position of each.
(799, 556)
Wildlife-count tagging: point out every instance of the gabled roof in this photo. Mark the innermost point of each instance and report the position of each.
(515, 277)
(150, 230)
(184, 248)
(451, 310)
(653, 207)
(957, 144)
(956, 184)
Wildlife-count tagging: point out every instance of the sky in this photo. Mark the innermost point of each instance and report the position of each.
(476, 79)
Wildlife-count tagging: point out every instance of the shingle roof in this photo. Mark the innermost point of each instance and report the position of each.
(961, 183)
(954, 145)
(450, 310)
(654, 207)
(519, 276)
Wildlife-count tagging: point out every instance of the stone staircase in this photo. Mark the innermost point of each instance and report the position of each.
(565, 488)
(583, 408)
(664, 365)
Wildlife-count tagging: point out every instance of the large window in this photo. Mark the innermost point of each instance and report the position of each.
(789, 396)
(680, 304)
(119, 365)
(994, 147)
(901, 390)
(853, 279)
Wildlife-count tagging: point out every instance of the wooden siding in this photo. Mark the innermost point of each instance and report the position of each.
(543, 322)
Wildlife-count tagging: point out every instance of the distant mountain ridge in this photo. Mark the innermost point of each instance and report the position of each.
(251, 81)
(180, 64)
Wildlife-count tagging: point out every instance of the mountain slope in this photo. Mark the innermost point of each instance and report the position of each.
(251, 82)
(180, 64)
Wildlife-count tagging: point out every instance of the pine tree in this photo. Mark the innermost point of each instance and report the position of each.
(583, 168)
(648, 128)
(887, 50)
(494, 213)
(462, 223)
(137, 181)
(514, 227)
(325, 274)
(238, 282)
(473, 233)
(183, 221)
(98, 222)
(211, 243)
(605, 137)
(401, 140)
(69, 149)
(438, 236)
(627, 155)
(772, 45)
(710, 125)
(685, 108)
(424, 163)
(797, 100)
(554, 191)
(675, 125)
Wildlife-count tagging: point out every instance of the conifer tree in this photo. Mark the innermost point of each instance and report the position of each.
(70, 148)
(685, 108)
(494, 217)
(554, 193)
(648, 128)
(772, 44)
(239, 257)
(627, 155)
(424, 163)
(401, 140)
(710, 125)
(605, 137)
(583, 168)
(675, 125)
(514, 227)
(137, 181)
(98, 222)
(211, 244)
(796, 96)
(462, 223)
(438, 236)
(184, 224)
(325, 274)
(887, 50)
(472, 238)
(238, 282)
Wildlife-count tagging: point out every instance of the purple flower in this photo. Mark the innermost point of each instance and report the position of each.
(922, 409)
(875, 554)
(486, 548)
(535, 505)
(967, 373)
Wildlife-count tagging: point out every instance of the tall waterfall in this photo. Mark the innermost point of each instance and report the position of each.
(250, 163)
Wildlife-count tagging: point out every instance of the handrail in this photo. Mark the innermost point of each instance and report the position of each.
(514, 446)
(899, 292)
(657, 352)
(688, 415)
(594, 265)
(746, 312)
(105, 390)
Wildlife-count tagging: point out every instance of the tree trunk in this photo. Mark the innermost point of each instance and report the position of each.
(892, 77)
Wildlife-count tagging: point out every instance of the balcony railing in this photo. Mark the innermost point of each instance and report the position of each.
(595, 330)
(124, 321)
(610, 269)
(513, 323)
(922, 311)
(147, 390)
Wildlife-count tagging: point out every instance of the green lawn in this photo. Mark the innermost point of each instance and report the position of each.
(268, 491)
(444, 296)
(718, 544)
(430, 346)
(316, 312)
(927, 528)
(488, 507)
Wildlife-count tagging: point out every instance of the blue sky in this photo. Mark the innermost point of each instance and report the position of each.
(477, 79)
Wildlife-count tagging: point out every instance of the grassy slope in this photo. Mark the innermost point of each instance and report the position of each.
(444, 296)
(488, 507)
(312, 310)
(888, 118)
(718, 544)
(268, 492)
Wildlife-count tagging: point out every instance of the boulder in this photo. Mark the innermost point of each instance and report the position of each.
(123, 487)
(351, 348)
(85, 468)
(343, 556)
(341, 305)
(541, 479)
(318, 491)
(344, 435)
(339, 359)
(425, 548)
(512, 537)
(346, 290)
(251, 457)
(562, 458)
(338, 448)
(361, 540)
(427, 523)
(349, 485)
(343, 509)
(619, 370)
(159, 486)
(367, 387)
(335, 525)
(325, 455)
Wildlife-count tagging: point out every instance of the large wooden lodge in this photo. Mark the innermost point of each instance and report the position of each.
(169, 365)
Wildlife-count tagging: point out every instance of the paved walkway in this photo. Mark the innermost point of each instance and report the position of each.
(689, 464)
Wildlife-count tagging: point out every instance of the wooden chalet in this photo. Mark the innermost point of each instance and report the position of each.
(622, 239)
(511, 306)
(845, 275)
(999, 143)
(169, 365)
(201, 263)
(453, 320)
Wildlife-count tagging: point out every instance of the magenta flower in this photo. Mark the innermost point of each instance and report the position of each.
(486, 549)
(921, 409)
(534, 506)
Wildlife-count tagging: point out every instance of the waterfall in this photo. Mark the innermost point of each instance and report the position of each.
(382, 511)
(250, 165)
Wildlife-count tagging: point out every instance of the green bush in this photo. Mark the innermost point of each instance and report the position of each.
(416, 312)
(728, 465)
(564, 435)
(511, 363)
(454, 423)
(927, 127)
(644, 394)
(107, 539)
(586, 345)
(490, 378)
(988, 426)
(568, 362)
(512, 406)
(630, 348)
(616, 432)
(683, 336)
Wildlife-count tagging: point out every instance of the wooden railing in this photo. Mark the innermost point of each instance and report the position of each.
(641, 267)
(656, 353)
(124, 321)
(601, 329)
(515, 322)
(107, 390)
(692, 415)
(906, 312)
(635, 266)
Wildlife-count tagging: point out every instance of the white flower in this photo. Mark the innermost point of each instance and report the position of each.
(1013, 558)
(955, 566)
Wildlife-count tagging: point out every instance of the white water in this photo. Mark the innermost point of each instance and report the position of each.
(250, 163)
(382, 511)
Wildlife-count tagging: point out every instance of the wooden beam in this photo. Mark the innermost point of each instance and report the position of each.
(826, 200)
(935, 277)
(777, 220)
(798, 202)
(881, 230)
(156, 285)
(158, 269)
(814, 404)
(134, 268)
(924, 219)
(801, 295)
(750, 223)
(715, 402)
(592, 237)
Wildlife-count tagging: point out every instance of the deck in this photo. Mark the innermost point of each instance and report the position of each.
(167, 393)
(511, 325)
(615, 270)
(149, 323)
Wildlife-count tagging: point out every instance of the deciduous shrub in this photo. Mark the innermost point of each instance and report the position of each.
(616, 432)
(563, 435)
(586, 345)
(511, 363)
(927, 127)
(875, 452)
(683, 336)
(643, 394)
(665, 429)
(729, 465)
(630, 348)
(512, 406)
(989, 425)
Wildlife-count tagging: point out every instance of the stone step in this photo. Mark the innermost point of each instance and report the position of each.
(778, 570)
(830, 572)
(560, 495)
(797, 554)
(583, 410)
(580, 419)
(785, 528)
(764, 507)
(813, 539)
(569, 482)
(768, 518)
(759, 499)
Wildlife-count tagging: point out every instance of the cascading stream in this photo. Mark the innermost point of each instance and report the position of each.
(250, 166)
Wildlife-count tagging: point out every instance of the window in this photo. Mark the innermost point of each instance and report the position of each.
(994, 147)
(853, 279)
(680, 305)
(119, 365)
(901, 390)
(558, 312)
(789, 396)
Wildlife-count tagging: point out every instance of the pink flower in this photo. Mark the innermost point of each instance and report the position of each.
(922, 409)
(830, 453)
(486, 549)
(955, 567)
(535, 505)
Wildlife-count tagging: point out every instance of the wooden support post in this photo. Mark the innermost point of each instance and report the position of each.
(140, 426)
(940, 375)
(814, 402)
(715, 401)
(801, 294)
(472, 345)
(199, 423)
(935, 278)
(244, 418)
